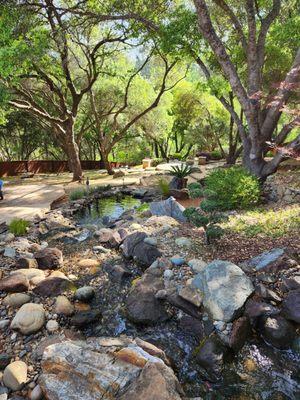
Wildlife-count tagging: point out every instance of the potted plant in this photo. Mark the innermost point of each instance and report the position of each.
(180, 172)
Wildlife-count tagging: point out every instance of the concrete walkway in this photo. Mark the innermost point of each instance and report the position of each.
(25, 201)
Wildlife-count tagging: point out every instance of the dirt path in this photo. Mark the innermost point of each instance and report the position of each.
(25, 201)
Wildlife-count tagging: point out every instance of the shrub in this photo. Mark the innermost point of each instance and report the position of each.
(231, 188)
(216, 155)
(176, 156)
(143, 207)
(156, 161)
(181, 171)
(164, 187)
(195, 190)
(77, 194)
(18, 226)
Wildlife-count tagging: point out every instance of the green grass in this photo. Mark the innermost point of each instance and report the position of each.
(18, 226)
(268, 223)
(77, 194)
(164, 187)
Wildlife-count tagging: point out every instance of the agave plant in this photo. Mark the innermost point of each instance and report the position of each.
(181, 171)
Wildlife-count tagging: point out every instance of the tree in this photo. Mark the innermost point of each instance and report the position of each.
(251, 22)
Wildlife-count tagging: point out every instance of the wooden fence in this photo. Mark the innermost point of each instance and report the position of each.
(13, 168)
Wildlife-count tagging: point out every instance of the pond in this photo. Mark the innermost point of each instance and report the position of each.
(105, 210)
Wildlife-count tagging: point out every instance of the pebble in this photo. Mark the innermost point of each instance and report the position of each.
(37, 393)
(85, 293)
(183, 242)
(168, 274)
(177, 260)
(63, 306)
(151, 240)
(15, 375)
(52, 326)
(4, 323)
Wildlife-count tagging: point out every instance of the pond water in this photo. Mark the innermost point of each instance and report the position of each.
(105, 210)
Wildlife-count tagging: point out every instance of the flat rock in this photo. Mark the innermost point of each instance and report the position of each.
(16, 300)
(15, 375)
(49, 258)
(14, 283)
(264, 260)
(225, 288)
(53, 287)
(29, 319)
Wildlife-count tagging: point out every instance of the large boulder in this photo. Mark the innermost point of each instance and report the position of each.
(29, 319)
(106, 368)
(142, 305)
(169, 207)
(291, 306)
(225, 288)
(49, 258)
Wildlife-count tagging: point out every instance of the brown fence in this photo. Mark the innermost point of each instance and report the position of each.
(13, 168)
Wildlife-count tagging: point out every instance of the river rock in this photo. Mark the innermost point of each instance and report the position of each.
(89, 263)
(155, 382)
(15, 375)
(277, 331)
(169, 207)
(4, 360)
(197, 265)
(52, 326)
(14, 283)
(83, 318)
(29, 319)
(30, 273)
(291, 306)
(63, 306)
(142, 305)
(4, 324)
(16, 300)
(225, 288)
(36, 393)
(109, 236)
(210, 356)
(183, 242)
(49, 258)
(85, 293)
(53, 286)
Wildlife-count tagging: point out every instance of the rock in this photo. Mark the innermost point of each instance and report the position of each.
(4, 360)
(100, 249)
(36, 393)
(179, 194)
(139, 193)
(183, 242)
(63, 306)
(225, 288)
(9, 252)
(85, 294)
(142, 305)
(169, 207)
(118, 273)
(151, 240)
(52, 326)
(4, 324)
(3, 396)
(30, 273)
(168, 274)
(192, 326)
(266, 293)
(83, 318)
(14, 283)
(264, 260)
(176, 183)
(210, 356)
(29, 319)
(89, 263)
(26, 263)
(277, 331)
(176, 260)
(197, 265)
(156, 382)
(15, 375)
(49, 258)
(109, 236)
(16, 300)
(254, 309)
(291, 306)
(130, 243)
(292, 283)
(191, 294)
(143, 253)
(53, 287)
(240, 332)
(119, 174)
(186, 306)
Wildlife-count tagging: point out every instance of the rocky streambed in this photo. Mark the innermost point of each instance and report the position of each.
(134, 310)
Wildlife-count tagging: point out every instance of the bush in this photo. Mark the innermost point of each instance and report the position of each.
(18, 227)
(77, 194)
(181, 171)
(164, 187)
(231, 188)
(176, 156)
(195, 190)
(156, 161)
(216, 155)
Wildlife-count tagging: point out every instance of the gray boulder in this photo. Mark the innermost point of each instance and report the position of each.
(225, 288)
(169, 207)
(264, 260)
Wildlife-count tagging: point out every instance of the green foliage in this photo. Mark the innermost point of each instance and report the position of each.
(143, 207)
(231, 188)
(216, 155)
(18, 226)
(195, 190)
(181, 171)
(266, 223)
(164, 187)
(77, 194)
(177, 156)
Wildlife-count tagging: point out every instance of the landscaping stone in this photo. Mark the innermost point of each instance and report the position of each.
(191, 294)
(63, 306)
(118, 273)
(176, 260)
(52, 326)
(30, 273)
(4, 360)
(29, 319)
(266, 293)
(26, 263)
(225, 288)
(184, 242)
(197, 265)
(49, 258)
(15, 375)
(36, 393)
(89, 263)
(291, 306)
(85, 294)
(9, 252)
(16, 300)
(53, 286)
(4, 324)
(151, 240)
(264, 260)
(241, 330)
(277, 331)
(14, 283)
(83, 318)
(109, 236)
(169, 207)
(135, 246)
(130, 243)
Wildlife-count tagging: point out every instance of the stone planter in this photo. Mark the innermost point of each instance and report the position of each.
(147, 163)
(201, 160)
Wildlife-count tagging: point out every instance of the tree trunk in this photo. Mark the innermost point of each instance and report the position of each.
(104, 159)
(72, 150)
